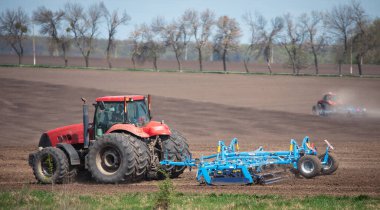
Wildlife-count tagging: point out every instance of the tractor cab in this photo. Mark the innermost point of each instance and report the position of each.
(111, 110)
(330, 99)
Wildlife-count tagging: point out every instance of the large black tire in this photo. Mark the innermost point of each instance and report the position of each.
(309, 166)
(175, 148)
(116, 157)
(332, 164)
(143, 158)
(50, 166)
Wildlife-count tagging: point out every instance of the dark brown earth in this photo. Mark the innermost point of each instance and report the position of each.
(258, 110)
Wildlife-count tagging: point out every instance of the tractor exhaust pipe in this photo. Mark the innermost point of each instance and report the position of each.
(149, 100)
(86, 140)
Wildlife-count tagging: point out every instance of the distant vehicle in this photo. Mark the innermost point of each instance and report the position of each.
(330, 104)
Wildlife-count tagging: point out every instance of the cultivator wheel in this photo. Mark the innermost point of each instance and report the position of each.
(331, 166)
(117, 157)
(175, 148)
(309, 166)
(50, 165)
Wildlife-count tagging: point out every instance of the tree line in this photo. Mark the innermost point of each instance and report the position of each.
(346, 28)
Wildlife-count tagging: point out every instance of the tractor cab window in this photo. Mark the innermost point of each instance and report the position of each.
(113, 113)
(329, 97)
(138, 113)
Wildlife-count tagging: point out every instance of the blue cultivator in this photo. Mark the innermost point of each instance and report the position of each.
(231, 166)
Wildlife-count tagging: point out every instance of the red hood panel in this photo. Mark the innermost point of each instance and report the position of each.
(71, 134)
(153, 128)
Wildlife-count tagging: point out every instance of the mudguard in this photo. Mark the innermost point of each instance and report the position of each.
(71, 152)
(153, 128)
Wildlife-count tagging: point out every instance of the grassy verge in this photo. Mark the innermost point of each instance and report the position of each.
(38, 199)
(184, 71)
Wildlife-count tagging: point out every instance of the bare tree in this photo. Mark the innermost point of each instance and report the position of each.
(14, 27)
(174, 39)
(84, 25)
(293, 42)
(178, 34)
(262, 37)
(136, 38)
(202, 26)
(277, 24)
(113, 21)
(364, 39)
(256, 24)
(227, 37)
(148, 43)
(51, 24)
(154, 43)
(373, 56)
(315, 34)
(340, 23)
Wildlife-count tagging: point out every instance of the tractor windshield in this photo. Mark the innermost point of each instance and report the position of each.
(113, 113)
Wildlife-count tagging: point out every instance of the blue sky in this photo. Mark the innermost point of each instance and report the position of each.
(145, 10)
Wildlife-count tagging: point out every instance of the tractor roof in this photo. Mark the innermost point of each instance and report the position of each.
(120, 98)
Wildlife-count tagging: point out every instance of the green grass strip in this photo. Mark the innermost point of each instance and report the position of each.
(39, 199)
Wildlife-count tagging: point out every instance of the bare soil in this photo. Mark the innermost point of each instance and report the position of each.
(259, 110)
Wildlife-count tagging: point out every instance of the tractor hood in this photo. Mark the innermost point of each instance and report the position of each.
(71, 134)
(153, 128)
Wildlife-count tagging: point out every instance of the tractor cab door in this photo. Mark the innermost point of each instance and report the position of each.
(107, 115)
(137, 113)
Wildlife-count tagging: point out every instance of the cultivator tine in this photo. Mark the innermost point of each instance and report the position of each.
(271, 178)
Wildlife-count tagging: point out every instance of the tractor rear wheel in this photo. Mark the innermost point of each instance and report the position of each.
(175, 148)
(331, 166)
(309, 166)
(50, 165)
(116, 157)
(143, 157)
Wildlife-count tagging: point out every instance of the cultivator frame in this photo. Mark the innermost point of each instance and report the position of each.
(229, 165)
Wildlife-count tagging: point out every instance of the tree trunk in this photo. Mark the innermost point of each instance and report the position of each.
(200, 58)
(155, 63)
(108, 50)
(109, 61)
(359, 58)
(269, 66)
(178, 62)
(224, 61)
(340, 67)
(19, 59)
(245, 61)
(63, 47)
(65, 58)
(133, 61)
(86, 59)
(315, 60)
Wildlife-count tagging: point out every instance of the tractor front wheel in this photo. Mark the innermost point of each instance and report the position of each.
(50, 165)
(331, 166)
(116, 157)
(309, 166)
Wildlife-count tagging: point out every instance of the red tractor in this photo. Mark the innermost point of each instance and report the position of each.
(122, 144)
(331, 104)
